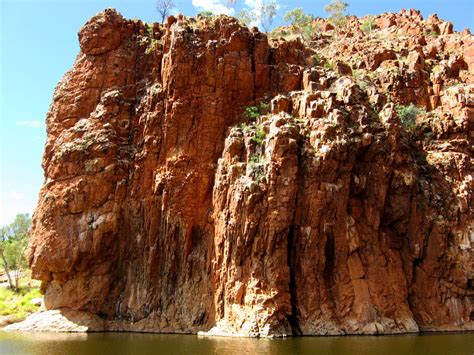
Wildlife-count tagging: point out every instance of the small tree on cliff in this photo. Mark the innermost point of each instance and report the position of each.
(13, 245)
(302, 23)
(263, 14)
(266, 13)
(244, 17)
(337, 11)
(297, 17)
(164, 8)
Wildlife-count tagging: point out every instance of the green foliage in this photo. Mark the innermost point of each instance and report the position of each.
(259, 135)
(408, 114)
(368, 25)
(431, 33)
(303, 23)
(329, 65)
(364, 85)
(153, 45)
(308, 31)
(14, 251)
(149, 30)
(357, 73)
(254, 112)
(438, 69)
(244, 17)
(264, 107)
(17, 303)
(361, 79)
(256, 165)
(206, 14)
(337, 11)
(255, 159)
(316, 59)
(244, 126)
(13, 245)
(297, 17)
(19, 228)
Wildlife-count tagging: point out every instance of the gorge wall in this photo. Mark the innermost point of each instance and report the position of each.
(164, 209)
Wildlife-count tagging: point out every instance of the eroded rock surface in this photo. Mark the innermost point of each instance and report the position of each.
(161, 211)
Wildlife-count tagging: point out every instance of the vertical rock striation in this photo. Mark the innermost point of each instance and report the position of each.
(327, 215)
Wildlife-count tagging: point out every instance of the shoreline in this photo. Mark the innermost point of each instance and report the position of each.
(67, 321)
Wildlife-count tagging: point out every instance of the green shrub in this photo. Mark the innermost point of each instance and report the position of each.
(368, 25)
(308, 31)
(297, 17)
(264, 107)
(364, 85)
(254, 112)
(259, 135)
(316, 59)
(149, 30)
(337, 12)
(244, 17)
(438, 69)
(408, 114)
(244, 126)
(373, 75)
(329, 65)
(206, 14)
(18, 303)
(302, 23)
(431, 33)
(153, 46)
(255, 163)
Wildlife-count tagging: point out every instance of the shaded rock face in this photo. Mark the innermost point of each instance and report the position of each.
(328, 216)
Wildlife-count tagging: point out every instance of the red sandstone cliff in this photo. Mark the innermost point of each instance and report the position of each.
(325, 216)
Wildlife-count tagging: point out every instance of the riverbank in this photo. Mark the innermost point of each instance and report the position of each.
(16, 306)
(74, 321)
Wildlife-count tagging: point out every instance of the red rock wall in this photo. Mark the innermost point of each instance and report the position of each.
(156, 216)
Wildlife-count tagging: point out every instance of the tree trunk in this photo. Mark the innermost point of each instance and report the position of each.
(5, 266)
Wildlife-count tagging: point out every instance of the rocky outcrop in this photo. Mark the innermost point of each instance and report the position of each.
(164, 209)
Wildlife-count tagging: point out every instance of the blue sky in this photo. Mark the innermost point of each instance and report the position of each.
(38, 41)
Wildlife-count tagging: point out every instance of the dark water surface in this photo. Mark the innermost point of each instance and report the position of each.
(132, 343)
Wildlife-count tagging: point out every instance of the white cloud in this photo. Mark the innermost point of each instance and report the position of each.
(30, 124)
(16, 196)
(215, 6)
(253, 4)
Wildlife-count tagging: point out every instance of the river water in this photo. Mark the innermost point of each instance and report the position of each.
(133, 343)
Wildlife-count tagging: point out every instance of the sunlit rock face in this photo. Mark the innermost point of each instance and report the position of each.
(327, 213)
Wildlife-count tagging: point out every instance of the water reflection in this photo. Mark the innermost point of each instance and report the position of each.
(132, 343)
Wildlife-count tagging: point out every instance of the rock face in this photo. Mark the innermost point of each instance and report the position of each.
(326, 214)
